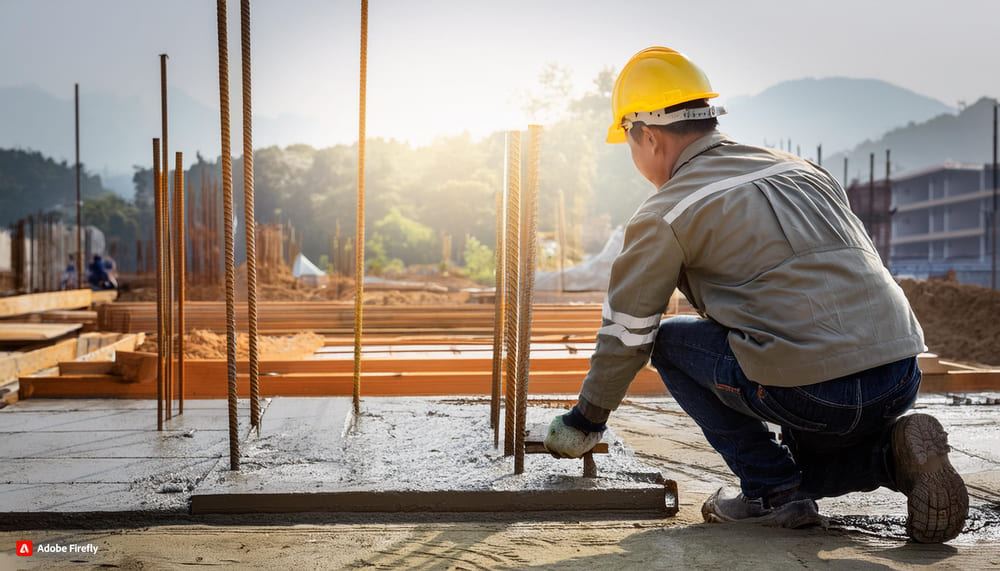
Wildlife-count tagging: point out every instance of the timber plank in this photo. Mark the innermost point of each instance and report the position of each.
(322, 384)
(15, 365)
(35, 331)
(38, 302)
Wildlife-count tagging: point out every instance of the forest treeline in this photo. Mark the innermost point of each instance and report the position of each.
(415, 195)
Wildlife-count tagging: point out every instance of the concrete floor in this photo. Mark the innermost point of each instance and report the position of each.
(61, 466)
(98, 455)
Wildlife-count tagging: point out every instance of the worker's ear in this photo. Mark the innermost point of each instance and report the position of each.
(648, 138)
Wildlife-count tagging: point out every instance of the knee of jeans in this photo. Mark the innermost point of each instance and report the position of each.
(661, 346)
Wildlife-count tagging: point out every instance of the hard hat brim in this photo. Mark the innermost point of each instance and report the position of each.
(616, 135)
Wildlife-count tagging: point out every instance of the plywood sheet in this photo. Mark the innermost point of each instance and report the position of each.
(35, 331)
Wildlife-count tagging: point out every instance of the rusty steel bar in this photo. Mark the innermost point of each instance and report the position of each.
(359, 242)
(180, 260)
(158, 238)
(561, 238)
(79, 198)
(498, 292)
(227, 208)
(511, 247)
(529, 241)
(250, 225)
(169, 338)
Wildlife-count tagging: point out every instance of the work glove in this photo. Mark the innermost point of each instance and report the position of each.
(571, 435)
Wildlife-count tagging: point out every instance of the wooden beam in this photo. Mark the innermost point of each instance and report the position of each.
(16, 365)
(35, 331)
(38, 302)
(110, 344)
(961, 382)
(323, 384)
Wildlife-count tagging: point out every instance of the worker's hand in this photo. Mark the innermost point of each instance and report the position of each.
(571, 435)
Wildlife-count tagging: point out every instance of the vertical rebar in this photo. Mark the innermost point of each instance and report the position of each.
(561, 238)
(359, 242)
(33, 256)
(497, 378)
(993, 239)
(819, 155)
(529, 223)
(169, 283)
(884, 230)
(227, 219)
(79, 198)
(511, 257)
(871, 196)
(250, 224)
(845, 173)
(158, 239)
(180, 260)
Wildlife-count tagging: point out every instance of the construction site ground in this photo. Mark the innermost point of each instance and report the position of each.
(866, 530)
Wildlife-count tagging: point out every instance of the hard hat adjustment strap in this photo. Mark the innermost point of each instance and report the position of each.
(661, 118)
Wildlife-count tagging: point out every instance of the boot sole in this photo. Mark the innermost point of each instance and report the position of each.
(793, 515)
(937, 499)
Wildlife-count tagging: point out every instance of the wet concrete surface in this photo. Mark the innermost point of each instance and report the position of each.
(102, 456)
(664, 436)
(410, 450)
(866, 531)
(105, 456)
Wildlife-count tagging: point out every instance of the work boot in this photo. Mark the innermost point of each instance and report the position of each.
(937, 501)
(792, 514)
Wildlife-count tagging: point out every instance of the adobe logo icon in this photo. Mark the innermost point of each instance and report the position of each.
(25, 549)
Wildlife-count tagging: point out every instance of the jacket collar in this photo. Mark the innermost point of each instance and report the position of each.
(699, 146)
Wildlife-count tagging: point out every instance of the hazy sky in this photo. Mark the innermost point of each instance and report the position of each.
(445, 66)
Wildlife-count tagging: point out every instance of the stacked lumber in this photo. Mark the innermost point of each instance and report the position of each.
(87, 347)
(449, 372)
(940, 376)
(337, 317)
(459, 368)
(28, 304)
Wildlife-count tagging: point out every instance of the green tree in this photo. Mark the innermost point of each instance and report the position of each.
(479, 262)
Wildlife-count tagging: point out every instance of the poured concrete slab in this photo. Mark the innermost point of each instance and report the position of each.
(413, 454)
(73, 457)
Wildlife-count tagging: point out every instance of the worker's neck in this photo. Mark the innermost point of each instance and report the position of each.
(672, 149)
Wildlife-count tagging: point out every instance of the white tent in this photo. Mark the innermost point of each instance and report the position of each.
(592, 274)
(306, 271)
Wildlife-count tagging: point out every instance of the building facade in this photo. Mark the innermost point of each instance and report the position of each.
(941, 219)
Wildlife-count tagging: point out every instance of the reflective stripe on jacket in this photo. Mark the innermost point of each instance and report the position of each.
(764, 243)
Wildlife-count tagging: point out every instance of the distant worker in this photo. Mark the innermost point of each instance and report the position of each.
(800, 323)
(98, 275)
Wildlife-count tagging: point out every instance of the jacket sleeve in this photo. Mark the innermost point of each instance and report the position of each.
(643, 277)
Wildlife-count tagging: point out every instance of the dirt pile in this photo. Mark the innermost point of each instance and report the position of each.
(204, 344)
(393, 297)
(960, 322)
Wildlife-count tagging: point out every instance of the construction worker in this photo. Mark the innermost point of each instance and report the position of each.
(799, 325)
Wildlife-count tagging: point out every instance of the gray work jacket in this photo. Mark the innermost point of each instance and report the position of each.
(764, 243)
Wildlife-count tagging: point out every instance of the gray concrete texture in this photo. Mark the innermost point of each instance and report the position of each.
(309, 443)
(78, 457)
(411, 454)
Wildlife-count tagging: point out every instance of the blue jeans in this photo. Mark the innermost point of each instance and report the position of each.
(835, 435)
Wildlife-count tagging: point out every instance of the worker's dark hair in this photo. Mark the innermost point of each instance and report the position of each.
(698, 126)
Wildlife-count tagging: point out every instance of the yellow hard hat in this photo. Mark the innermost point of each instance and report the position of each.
(654, 79)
